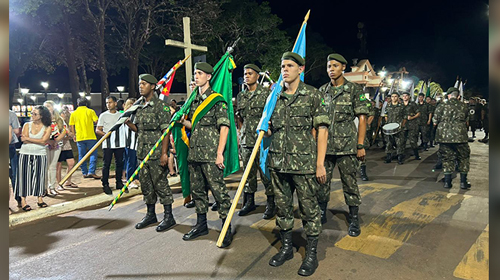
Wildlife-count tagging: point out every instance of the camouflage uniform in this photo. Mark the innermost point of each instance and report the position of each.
(369, 131)
(410, 130)
(432, 129)
(344, 103)
(451, 118)
(250, 107)
(203, 173)
(474, 117)
(293, 156)
(151, 120)
(423, 128)
(395, 114)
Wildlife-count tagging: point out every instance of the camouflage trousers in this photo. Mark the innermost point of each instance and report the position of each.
(432, 132)
(204, 176)
(284, 184)
(451, 153)
(251, 184)
(424, 132)
(366, 143)
(394, 143)
(154, 183)
(348, 167)
(410, 134)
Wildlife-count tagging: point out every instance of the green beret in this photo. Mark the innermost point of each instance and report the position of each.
(253, 67)
(421, 94)
(451, 89)
(395, 92)
(148, 78)
(337, 57)
(294, 57)
(205, 67)
(407, 93)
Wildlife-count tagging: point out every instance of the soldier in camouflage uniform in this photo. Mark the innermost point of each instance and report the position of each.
(251, 102)
(205, 159)
(345, 101)
(410, 128)
(485, 111)
(150, 123)
(394, 114)
(424, 120)
(431, 103)
(474, 117)
(452, 119)
(296, 161)
(368, 138)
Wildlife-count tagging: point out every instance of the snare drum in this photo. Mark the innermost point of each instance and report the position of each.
(391, 128)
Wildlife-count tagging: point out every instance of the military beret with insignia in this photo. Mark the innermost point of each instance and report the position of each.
(294, 57)
(148, 78)
(205, 67)
(337, 57)
(253, 67)
(395, 92)
(451, 89)
(407, 93)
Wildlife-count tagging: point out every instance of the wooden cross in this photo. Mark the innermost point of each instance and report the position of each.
(187, 46)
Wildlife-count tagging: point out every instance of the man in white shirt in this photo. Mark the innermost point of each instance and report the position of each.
(114, 144)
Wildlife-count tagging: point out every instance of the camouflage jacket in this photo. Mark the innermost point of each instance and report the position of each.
(344, 103)
(410, 110)
(204, 138)
(151, 120)
(250, 107)
(424, 110)
(293, 147)
(475, 112)
(394, 113)
(451, 119)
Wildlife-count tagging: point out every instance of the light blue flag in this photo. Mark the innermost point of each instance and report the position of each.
(299, 48)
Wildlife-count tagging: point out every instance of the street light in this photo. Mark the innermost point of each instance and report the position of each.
(120, 89)
(382, 73)
(24, 93)
(81, 93)
(45, 85)
(405, 84)
(20, 100)
(60, 95)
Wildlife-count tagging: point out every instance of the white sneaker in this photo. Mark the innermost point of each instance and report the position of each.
(133, 186)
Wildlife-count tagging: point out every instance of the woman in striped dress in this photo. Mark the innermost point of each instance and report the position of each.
(130, 158)
(54, 145)
(31, 176)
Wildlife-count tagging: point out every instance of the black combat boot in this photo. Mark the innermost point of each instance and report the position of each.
(388, 158)
(215, 206)
(249, 205)
(464, 185)
(432, 144)
(199, 229)
(362, 170)
(270, 208)
(400, 159)
(310, 262)
(229, 235)
(447, 181)
(168, 219)
(354, 229)
(426, 147)
(150, 217)
(286, 250)
(322, 207)
(417, 156)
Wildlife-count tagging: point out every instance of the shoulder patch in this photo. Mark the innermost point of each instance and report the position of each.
(166, 108)
(224, 106)
(362, 97)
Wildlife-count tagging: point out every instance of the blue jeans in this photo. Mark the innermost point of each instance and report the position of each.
(14, 161)
(83, 147)
(130, 159)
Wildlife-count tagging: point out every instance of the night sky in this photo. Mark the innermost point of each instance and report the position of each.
(450, 35)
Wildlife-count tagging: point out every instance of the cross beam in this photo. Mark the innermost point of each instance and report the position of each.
(187, 46)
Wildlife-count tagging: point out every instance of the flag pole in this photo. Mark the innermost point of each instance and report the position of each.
(247, 169)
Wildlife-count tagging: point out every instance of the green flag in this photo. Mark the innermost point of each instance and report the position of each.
(221, 82)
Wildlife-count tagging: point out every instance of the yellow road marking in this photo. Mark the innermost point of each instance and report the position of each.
(475, 264)
(388, 232)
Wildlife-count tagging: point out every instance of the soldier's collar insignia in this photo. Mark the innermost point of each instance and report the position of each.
(203, 96)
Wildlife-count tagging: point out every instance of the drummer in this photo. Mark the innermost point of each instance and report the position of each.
(345, 101)
(394, 119)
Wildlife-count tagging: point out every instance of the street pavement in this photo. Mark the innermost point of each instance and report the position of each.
(412, 228)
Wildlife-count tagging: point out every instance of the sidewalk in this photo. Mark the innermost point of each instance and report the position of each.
(88, 193)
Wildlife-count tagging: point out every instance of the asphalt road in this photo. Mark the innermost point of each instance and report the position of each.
(412, 228)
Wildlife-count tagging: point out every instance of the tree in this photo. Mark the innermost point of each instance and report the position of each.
(96, 12)
(136, 22)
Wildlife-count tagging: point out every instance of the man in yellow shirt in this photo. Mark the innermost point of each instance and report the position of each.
(82, 126)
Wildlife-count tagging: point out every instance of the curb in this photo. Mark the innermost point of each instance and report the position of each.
(65, 207)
